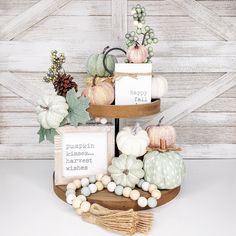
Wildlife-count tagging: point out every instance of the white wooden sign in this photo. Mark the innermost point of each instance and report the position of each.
(82, 151)
(133, 83)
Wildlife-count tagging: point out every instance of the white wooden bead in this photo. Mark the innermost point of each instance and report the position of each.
(76, 203)
(99, 177)
(151, 188)
(77, 183)
(92, 179)
(111, 187)
(142, 202)
(156, 194)
(152, 202)
(82, 198)
(85, 191)
(71, 186)
(103, 121)
(84, 182)
(106, 180)
(78, 211)
(93, 188)
(70, 198)
(127, 191)
(140, 183)
(119, 190)
(97, 119)
(145, 186)
(134, 194)
(85, 206)
(70, 191)
(99, 185)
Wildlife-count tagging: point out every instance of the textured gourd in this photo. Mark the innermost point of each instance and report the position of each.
(100, 93)
(51, 111)
(158, 132)
(95, 64)
(159, 86)
(137, 54)
(166, 170)
(126, 170)
(132, 141)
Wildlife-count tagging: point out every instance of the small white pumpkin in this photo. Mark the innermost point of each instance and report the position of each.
(51, 111)
(133, 141)
(126, 170)
(159, 86)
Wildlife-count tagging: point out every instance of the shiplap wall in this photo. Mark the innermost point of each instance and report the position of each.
(193, 52)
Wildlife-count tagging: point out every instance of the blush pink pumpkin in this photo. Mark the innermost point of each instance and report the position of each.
(137, 54)
(99, 94)
(158, 132)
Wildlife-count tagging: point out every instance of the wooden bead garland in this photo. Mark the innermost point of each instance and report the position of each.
(99, 182)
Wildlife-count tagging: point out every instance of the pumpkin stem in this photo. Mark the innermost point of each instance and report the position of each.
(45, 108)
(94, 80)
(159, 122)
(104, 50)
(126, 172)
(163, 144)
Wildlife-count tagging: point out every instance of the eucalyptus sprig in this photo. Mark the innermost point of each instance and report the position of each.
(142, 32)
(56, 68)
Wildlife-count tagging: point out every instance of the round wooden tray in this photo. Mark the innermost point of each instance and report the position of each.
(125, 111)
(111, 201)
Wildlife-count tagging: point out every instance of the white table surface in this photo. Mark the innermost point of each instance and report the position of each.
(206, 205)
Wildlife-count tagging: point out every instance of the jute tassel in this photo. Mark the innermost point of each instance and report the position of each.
(124, 222)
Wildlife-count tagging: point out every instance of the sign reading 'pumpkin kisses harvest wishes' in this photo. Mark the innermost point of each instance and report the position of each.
(82, 151)
(133, 83)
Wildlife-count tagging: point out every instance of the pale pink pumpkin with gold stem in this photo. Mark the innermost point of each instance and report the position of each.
(101, 93)
(158, 132)
(137, 54)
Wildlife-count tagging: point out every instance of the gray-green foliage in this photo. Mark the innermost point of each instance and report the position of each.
(77, 108)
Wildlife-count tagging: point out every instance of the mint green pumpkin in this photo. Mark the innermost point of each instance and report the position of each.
(95, 64)
(166, 170)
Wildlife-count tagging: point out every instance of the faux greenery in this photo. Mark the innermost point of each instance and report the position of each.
(57, 60)
(77, 108)
(143, 34)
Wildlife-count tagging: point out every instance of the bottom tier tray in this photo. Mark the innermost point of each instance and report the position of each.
(111, 201)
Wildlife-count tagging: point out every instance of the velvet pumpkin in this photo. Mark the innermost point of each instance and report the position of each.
(95, 64)
(159, 86)
(166, 170)
(158, 132)
(99, 93)
(137, 54)
(132, 141)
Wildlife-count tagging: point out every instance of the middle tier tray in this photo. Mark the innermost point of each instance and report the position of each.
(125, 111)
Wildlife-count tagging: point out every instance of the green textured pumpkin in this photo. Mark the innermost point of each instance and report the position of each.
(166, 170)
(95, 64)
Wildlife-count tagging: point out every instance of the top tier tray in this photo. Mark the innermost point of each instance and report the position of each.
(125, 111)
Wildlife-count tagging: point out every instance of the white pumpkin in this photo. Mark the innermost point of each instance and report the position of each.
(51, 111)
(159, 86)
(126, 170)
(133, 141)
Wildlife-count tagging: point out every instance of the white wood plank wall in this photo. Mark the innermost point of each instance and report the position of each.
(195, 51)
